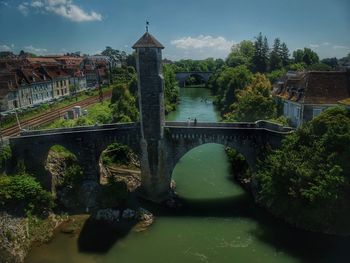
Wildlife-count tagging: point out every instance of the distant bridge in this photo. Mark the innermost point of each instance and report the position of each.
(182, 77)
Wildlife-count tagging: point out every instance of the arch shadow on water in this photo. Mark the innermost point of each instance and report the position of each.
(99, 237)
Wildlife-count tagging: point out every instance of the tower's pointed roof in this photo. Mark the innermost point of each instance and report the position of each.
(147, 40)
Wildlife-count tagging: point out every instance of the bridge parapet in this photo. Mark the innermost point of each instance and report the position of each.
(91, 128)
(269, 126)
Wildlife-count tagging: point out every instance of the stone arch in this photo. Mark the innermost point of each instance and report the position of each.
(182, 77)
(109, 165)
(202, 159)
(179, 144)
(58, 159)
(199, 78)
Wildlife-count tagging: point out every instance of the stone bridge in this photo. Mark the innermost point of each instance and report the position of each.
(87, 143)
(181, 77)
(160, 144)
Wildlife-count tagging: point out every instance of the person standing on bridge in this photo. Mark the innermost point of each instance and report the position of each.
(195, 121)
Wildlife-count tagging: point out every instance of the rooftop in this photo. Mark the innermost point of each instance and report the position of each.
(315, 87)
(147, 40)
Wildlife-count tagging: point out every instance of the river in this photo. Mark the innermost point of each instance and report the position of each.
(219, 222)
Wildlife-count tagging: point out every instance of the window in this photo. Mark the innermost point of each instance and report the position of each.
(285, 109)
(58, 92)
(297, 112)
(316, 112)
(65, 90)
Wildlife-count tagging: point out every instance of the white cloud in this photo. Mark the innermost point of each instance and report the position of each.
(340, 47)
(4, 3)
(37, 4)
(314, 45)
(38, 51)
(325, 44)
(64, 8)
(202, 42)
(23, 8)
(6, 47)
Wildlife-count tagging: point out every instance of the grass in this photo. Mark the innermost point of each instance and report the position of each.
(10, 120)
(97, 113)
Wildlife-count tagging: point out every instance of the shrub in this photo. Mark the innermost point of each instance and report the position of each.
(22, 193)
(5, 155)
(238, 163)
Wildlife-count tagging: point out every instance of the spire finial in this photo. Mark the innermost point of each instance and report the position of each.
(147, 25)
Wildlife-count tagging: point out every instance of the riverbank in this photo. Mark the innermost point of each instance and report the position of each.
(19, 234)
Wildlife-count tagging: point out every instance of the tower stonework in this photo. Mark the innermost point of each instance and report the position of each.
(155, 182)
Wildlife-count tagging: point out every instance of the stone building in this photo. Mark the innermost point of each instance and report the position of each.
(306, 94)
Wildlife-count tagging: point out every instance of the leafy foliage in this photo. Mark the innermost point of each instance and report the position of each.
(307, 180)
(254, 102)
(117, 154)
(171, 88)
(22, 194)
(5, 155)
(230, 81)
(123, 106)
(241, 54)
(239, 165)
(261, 54)
(306, 56)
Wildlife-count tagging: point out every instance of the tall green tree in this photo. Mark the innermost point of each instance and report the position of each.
(275, 55)
(284, 54)
(261, 54)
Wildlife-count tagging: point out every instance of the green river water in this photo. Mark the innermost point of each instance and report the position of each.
(219, 222)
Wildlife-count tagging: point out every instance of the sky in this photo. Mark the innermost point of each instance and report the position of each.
(194, 29)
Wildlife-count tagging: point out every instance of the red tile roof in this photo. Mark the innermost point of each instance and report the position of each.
(314, 87)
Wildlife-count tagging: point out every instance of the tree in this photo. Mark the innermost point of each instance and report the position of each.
(275, 55)
(241, 54)
(284, 54)
(171, 88)
(332, 62)
(310, 57)
(345, 61)
(229, 82)
(261, 54)
(254, 102)
(298, 56)
(306, 56)
(124, 107)
(319, 67)
(306, 181)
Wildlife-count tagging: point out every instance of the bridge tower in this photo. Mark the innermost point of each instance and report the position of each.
(155, 184)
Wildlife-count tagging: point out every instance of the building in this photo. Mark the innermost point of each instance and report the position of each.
(39, 83)
(9, 98)
(306, 94)
(60, 80)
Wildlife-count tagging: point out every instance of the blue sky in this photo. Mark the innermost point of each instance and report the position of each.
(187, 28)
